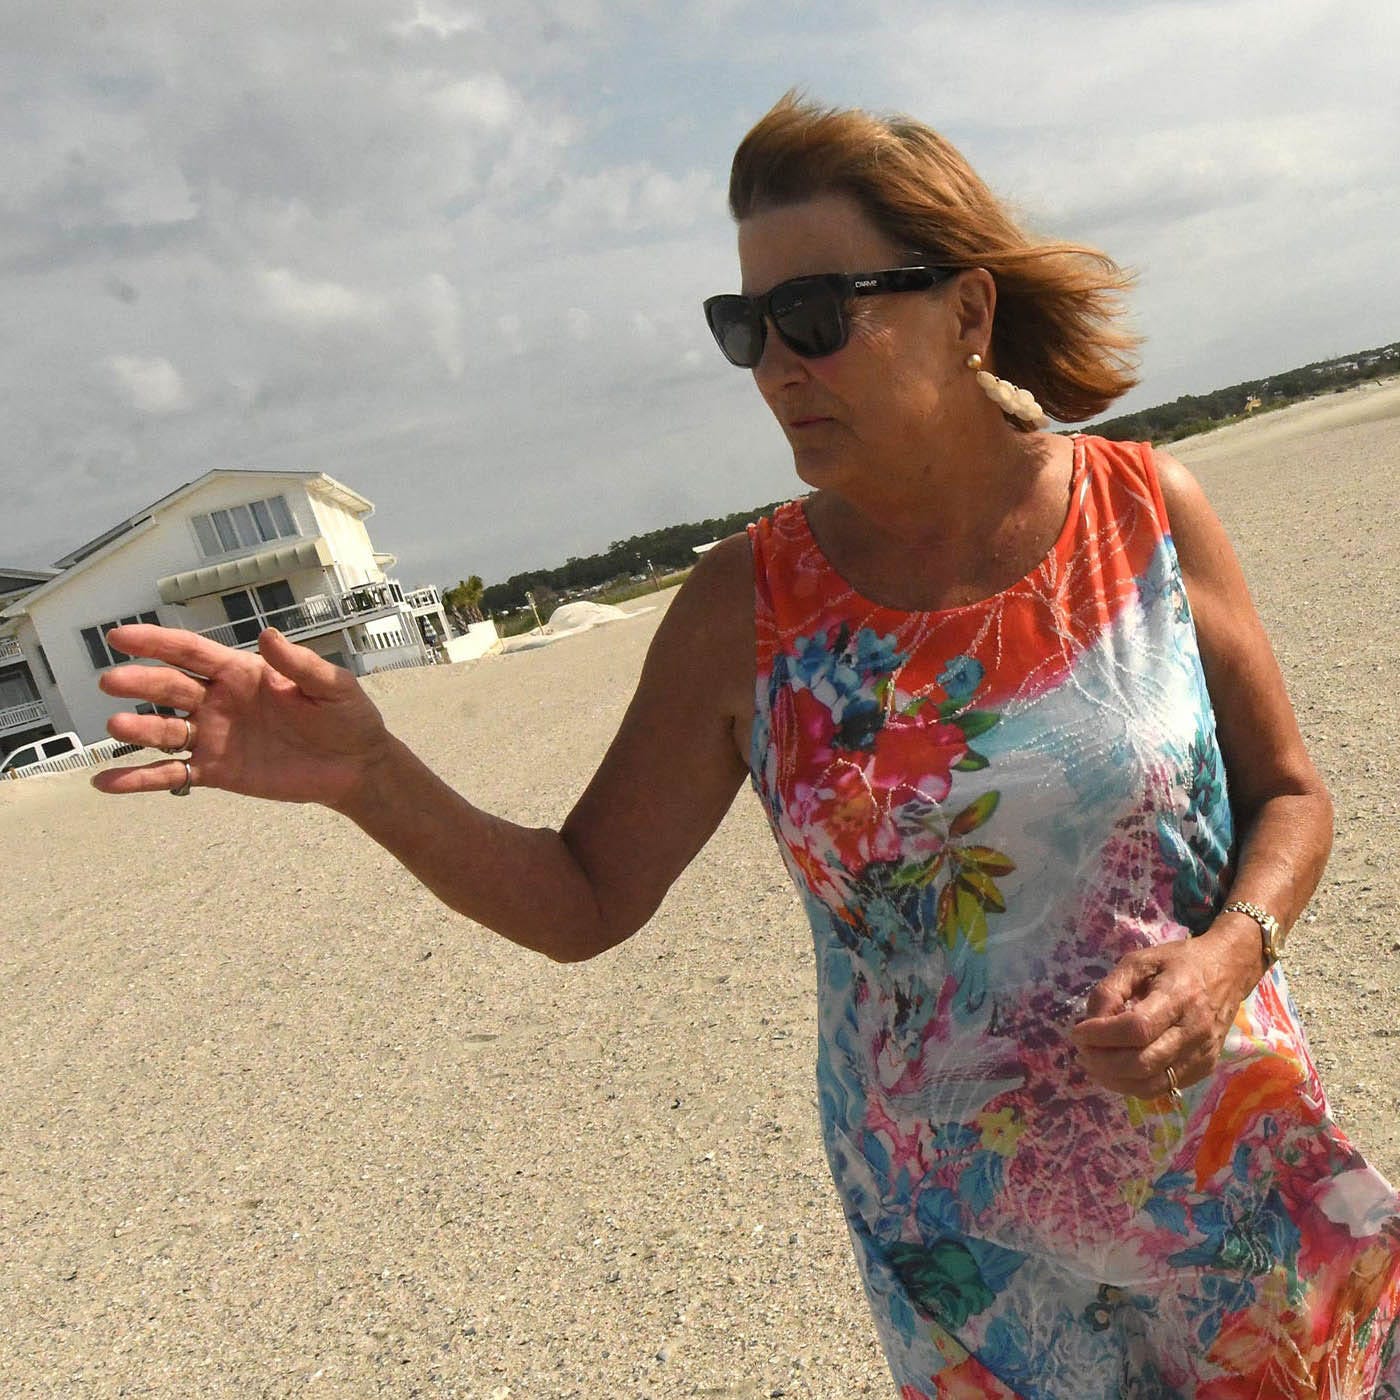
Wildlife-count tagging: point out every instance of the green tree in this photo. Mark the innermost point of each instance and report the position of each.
(464, 601)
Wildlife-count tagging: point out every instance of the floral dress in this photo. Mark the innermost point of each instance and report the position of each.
(984, 808)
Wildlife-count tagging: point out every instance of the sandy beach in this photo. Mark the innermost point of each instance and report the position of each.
(278, 1124)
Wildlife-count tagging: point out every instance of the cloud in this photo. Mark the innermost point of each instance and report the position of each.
(632, 199)
(486, 100)
(512, 333)
(151, 385)
(439, 22)
(457, 249)
(580, 323)
(287, 296)
(443, 312)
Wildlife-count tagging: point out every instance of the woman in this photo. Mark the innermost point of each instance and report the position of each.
(992, 686)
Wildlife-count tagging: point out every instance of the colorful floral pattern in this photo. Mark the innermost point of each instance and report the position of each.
(984, 809)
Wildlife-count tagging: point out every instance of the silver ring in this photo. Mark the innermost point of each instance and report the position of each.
(184, 789)
(188, 743)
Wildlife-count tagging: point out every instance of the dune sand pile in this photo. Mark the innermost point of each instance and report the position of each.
(278, 1124)
(568, 619)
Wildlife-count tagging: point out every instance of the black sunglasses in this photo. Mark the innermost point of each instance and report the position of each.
(809, 313)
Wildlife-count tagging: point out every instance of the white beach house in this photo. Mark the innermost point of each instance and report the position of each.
(226, 555)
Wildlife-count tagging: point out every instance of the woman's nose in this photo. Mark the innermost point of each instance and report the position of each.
(777, 364)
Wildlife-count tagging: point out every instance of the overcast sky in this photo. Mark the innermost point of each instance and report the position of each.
(452, 252)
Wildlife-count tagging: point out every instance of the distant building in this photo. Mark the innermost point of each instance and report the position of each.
(225, 555)
(24, 715)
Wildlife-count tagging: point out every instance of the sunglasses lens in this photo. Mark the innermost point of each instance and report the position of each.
(737, 328)
(809, 316)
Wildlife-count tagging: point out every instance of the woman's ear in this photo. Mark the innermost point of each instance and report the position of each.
(974, 305)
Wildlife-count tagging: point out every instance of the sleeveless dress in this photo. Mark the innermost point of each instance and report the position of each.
(983, 809)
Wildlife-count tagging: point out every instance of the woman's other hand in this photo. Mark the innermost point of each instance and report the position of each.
(1169, 1005)
(281, 723)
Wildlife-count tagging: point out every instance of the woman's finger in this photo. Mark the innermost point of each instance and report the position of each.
(164, 776)
(313, 675)
(1125, 985)
(1137, 1070)
(159, 685)
(1134, 1028)
(173, 645)
(150, 731)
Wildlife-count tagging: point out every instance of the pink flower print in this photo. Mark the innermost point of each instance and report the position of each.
(854, 820)
(914, 760)
(813, 722)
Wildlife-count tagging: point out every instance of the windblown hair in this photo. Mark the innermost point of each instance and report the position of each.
(1058, 328)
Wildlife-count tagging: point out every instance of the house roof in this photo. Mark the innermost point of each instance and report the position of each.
(88, 553)
(14, 580)
(330, 487)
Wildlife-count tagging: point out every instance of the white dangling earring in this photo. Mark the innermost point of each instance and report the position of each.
(1019, 403)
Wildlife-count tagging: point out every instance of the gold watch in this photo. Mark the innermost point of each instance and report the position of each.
(1271, 931)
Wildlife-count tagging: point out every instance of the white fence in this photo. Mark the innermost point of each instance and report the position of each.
(390, 651)
(89, 757)
(18, 716)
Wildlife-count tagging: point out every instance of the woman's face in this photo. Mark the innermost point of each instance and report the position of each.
(867, 410)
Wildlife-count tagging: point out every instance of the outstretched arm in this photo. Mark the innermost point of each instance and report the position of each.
(287, 725)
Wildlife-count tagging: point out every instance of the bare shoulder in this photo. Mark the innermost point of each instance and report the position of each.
(1202, 544)
(720, 586)
(1258, 731)
(706, 640)
(1181, 492)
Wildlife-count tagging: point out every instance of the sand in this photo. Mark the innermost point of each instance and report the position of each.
(277, 1124)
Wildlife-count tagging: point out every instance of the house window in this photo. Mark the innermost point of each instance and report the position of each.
(17, 689)
(248, 609)
(245, 526)
(95, 639)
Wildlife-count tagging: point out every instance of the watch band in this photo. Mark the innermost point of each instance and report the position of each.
(1271, 933)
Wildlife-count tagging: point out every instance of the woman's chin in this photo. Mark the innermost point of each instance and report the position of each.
(819, 468)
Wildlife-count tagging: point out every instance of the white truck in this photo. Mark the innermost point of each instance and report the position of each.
(48, 755)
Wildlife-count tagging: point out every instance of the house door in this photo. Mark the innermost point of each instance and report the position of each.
(243, 615)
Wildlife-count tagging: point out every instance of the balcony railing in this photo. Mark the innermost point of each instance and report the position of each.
(422, 599)
(318, 613)
(22, 716)
(9, 650)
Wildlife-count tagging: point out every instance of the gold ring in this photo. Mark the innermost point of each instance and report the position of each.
(1173, 1088)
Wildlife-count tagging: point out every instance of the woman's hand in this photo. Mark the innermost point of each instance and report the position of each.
(1169, 1005)
(282, 723)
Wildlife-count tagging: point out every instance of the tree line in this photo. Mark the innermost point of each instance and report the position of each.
(1197, 413)
(659, 551)
(671, 548)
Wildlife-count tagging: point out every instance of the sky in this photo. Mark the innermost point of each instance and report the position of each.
(452, 252)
